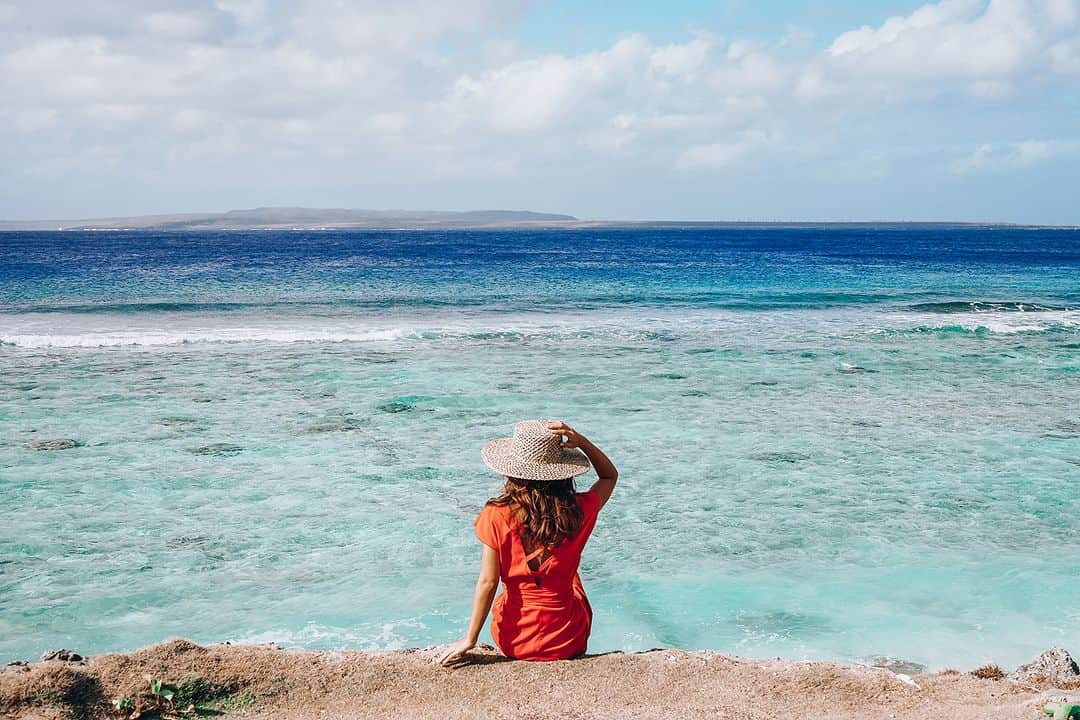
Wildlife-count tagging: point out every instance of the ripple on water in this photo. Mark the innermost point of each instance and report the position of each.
(403, 403)
(780, 457)
(1063, 430)
(336, 423)
(783, 624)
(52, 444)
(175, 421)
(216, 449)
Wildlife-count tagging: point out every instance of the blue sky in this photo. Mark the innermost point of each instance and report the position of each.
(786, 110)
(580, 26)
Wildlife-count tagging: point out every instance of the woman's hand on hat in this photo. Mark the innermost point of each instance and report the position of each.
(571, 437)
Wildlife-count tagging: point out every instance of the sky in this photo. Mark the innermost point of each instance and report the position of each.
(693, 110)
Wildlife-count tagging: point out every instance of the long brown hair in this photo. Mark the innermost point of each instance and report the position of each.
(547, 509)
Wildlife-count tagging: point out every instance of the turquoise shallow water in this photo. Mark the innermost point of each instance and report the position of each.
(833, 460)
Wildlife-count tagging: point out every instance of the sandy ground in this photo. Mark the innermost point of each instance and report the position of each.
(268, 682)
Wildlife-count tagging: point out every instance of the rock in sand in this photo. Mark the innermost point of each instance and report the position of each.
(1055, 665)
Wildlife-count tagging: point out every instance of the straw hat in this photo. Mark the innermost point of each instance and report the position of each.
(534, 453)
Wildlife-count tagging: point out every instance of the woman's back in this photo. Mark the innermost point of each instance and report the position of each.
(540, 565)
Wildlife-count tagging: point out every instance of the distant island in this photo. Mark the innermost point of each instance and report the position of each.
(284, 218)
(299, 218)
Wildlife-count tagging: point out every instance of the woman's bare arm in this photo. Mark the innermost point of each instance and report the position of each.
(486, 585)
(605, 469)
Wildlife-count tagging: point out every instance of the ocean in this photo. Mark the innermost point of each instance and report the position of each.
(835, 442)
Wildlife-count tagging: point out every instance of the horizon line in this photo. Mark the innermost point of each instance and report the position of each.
(430, 218)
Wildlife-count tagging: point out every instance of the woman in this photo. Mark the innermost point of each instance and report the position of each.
(533, 535)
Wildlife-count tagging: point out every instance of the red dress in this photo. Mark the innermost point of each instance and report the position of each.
(542, 613)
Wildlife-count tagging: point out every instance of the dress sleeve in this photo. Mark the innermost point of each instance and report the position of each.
(590, 503)
(486, 529)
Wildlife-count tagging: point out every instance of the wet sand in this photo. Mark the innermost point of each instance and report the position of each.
(269, 682)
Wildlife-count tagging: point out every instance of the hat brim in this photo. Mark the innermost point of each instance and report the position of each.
(497, 456)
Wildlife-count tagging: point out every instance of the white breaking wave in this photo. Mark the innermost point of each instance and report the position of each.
(58, 330)
(193, 336)
(368, 636)
(997, 323)
(293, 333)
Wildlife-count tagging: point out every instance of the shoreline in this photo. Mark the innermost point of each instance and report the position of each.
(270, 681)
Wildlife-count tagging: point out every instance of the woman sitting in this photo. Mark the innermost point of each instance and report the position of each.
(533, 535)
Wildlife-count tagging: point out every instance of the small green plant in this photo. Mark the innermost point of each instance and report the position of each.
(162, 691)
(236, 702)
(177, 701)
(195, 692)
(1062, 711)
(49, 697)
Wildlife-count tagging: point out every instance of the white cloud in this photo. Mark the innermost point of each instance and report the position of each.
(628, 131)
(712, 156)
(1062, 13)
(175, 24)
(1030, 152)
(683, 60)
(756, 71)
(116, 113)
(531, 95)
(957, 39)
(721, 155)
(976, 161)
(814, 84)
(990, 88)
(246, 12)
(867, 39)
(30, 120)
(1015, 155)
(1065, 57)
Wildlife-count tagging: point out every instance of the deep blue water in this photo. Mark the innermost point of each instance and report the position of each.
(742, 268)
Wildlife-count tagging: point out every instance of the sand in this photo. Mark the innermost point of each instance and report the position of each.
(270, 682)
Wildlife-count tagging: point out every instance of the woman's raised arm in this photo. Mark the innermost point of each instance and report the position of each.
(605, 469)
